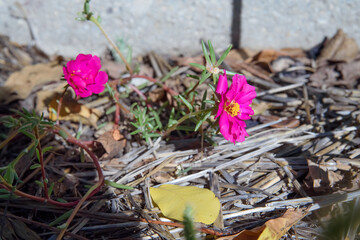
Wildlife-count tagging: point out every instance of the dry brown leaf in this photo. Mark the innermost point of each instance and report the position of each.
(233, 56)
(350, 73)
(111, 145)
(21, 230)
(156, 95)
(331, 46)
(71, 110)
(273, 229)
(288, 123)
(114, 69)
(339, 48)
(321, 176)
(20, 84)
(269, 55)
(44, 97)
(324, 77)
(260, 108)
(184, 61)
(347, 51)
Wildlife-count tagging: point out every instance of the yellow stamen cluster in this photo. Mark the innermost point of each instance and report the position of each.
(233, 108)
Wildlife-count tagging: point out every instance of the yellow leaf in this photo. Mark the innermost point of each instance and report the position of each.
(173, 199)
(273, 229)
(73, 111)
(276, 228)
(20, 84)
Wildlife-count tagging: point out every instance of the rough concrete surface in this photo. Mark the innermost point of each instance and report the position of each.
(288, 23)
(171, 27)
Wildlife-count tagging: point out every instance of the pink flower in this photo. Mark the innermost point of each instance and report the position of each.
(234, 106)
(83, 75)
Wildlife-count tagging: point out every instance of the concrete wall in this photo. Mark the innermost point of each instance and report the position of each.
(173, 27)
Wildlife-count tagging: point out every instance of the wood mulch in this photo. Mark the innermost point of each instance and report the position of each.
(302, 151)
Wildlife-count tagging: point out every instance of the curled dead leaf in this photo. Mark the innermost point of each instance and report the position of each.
(71, 110)
(20, 84)
(287, 123)
(273, 229)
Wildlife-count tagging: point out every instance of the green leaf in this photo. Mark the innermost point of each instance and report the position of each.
(168, 75)
(204, 75)
(212, 88)
(99, 19)
(63, 134)
(212, 102)
(157, 119)
(41, 184)
(223, 56)
(215, 78)
(34, 166)
(189, 226)
(26, 133)
(203, 99)
(9, 175)
(206, 116)
(46, 149)
(116, 185)
(212, 53)
(188, 105)
(37, 154)
(50, 189)
(184, 128)
(110, 110)
(198, 66)
(206, 55)
(63, 217)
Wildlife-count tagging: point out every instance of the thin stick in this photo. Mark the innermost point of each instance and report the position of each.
(128, 67)
(41, 159)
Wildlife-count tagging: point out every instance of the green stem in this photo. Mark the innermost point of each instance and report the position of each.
(128, 67)
(187, 116)
(8, 139)
(41, 159)
(76, 209)
(60, 103)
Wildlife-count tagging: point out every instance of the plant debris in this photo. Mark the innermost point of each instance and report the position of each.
(297, 170)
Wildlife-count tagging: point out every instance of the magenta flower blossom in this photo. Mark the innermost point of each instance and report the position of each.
(84, 76)
(234, 106)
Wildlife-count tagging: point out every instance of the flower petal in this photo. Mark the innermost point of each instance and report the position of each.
(245, 112)
(101, 78)
(96, 88)
(236, 86)
(220, 107)
(222, 85)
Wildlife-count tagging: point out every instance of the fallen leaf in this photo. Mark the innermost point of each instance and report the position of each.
(71, 110)
(288, 123)
(322, 175)
(339, 48)
(20, 84)
(324, 77)
(350, 73)
(114, 69)
(185, 61)
(22, 231)
(269, 55)
(276, 228)
(282, 63)
(347, 51)
(331, 46)
(112, 145)
(260, 108)
(273, 229)
(156, 95)
(173, 199)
